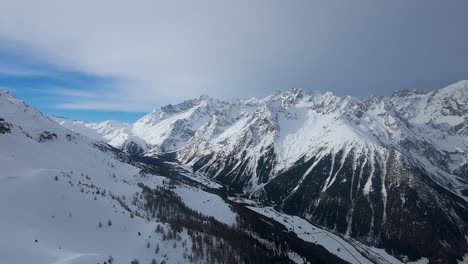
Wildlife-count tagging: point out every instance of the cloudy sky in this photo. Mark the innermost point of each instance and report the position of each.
(99, 59)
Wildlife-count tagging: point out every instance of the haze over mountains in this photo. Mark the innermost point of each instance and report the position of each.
(382, 172)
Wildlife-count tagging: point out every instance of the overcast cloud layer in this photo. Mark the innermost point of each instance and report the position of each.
(155, 51)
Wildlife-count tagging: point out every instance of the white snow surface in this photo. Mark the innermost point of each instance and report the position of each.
(112, 132)
(348, 250)
(207, 204)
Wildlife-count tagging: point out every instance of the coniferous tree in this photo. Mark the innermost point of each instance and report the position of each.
(157, 249)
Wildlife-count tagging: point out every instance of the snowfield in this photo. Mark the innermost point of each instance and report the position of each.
(207, 203)
(353, 253)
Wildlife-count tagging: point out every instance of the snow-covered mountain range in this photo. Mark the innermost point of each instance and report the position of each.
(388, 171)
(67, 198)
(429, 126)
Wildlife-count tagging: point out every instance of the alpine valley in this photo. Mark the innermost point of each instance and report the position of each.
(295, 177)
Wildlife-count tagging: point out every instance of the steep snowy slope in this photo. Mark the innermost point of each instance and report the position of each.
(167, 129)
(45, 217)
(437, 131)
(114, 133)
(163, 130)
(99, 131)
(273, 134)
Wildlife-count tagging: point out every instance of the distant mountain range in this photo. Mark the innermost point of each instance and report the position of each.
(269, 135)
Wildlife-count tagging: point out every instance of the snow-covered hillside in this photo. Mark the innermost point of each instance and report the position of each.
(50, 214)
(113, 133)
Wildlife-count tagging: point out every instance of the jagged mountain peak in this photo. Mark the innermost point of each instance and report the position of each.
(409, 92)
(458, 86)
(168, 128)
(205, 97)
(454, 89)
(168, 110)
(453, 96)
(290, 94)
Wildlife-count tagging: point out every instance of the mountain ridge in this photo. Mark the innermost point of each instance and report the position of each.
(175, 125)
